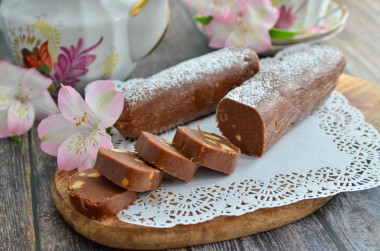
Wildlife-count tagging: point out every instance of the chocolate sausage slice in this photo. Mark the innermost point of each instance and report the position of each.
(257, 114)
(184, 92)
(127, 170)
(163, 155)
(95, 196)
(207, 149)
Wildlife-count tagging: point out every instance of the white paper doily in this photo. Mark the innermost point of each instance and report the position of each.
(333, 150)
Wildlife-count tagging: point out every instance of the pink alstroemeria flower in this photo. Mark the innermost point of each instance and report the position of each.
(23, 98)
(76, 134)
(251, 29)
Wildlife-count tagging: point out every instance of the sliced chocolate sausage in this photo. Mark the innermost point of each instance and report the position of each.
(127, 170)
(207, 149)
(257, 114)
(184, 92)
(162, 154)
(95, 196)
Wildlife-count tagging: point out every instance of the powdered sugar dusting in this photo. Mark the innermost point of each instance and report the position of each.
(185, 73)
(284, 73)
(122, 87)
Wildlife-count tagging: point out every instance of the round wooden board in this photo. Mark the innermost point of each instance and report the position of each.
(117, 234)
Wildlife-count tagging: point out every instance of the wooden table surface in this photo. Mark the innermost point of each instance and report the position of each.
(350, 221)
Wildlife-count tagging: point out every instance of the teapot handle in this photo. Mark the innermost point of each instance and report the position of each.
(147, 26)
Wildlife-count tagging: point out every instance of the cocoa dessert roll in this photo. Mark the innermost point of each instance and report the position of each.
(95, 196)
(184, 92)
(207, 149)
(162, 154)
(257, 114)
(127, 170)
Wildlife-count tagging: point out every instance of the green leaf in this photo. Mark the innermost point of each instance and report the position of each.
(44, 70)
(281, 34)
(108, 130)
(202, 20)
(16, 138)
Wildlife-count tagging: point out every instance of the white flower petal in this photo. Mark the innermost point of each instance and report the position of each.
(264, 16)
(53, 131)
(105, 101)
(20, 118)
(10, 75)
(44, 105)
(32, 84)
(80, 150)
(6, 97)
(75, 109)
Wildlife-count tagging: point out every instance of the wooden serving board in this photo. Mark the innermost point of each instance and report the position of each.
(114, 233)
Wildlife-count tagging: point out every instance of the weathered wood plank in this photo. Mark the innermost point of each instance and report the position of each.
(295, 236)
(16, 212)
(305, 234)
(353, 219)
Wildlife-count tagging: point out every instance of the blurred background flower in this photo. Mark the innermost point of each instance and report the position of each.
(23, 98)
(265, 25)
(243, 23)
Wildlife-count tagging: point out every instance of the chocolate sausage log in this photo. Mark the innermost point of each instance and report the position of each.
(162, 154)
(207, 149)
(127, 170)
(184, 92)
(257, 114)
(95, 196)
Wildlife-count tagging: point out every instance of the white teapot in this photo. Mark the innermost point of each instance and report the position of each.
(77, 41)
